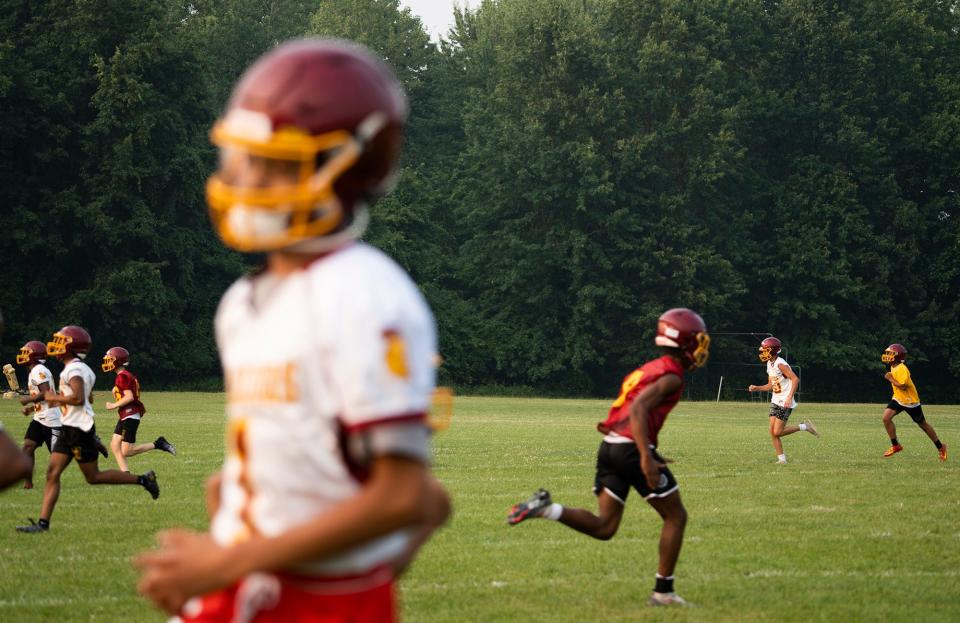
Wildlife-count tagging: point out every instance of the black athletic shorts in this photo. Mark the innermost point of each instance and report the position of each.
(915, 413)
(78, 444)
(618, 469)
(781, 413)
(127, 429)
(41, 434)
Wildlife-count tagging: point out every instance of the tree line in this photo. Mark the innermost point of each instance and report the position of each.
(572, 169)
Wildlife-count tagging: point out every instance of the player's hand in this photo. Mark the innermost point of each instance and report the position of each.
(752, 388)
(185, 565)
(26, 411)
(109, 406)
(651, 470)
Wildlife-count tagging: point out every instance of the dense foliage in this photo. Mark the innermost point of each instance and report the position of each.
(572, 168)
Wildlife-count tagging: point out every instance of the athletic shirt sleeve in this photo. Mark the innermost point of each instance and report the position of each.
(383, 354)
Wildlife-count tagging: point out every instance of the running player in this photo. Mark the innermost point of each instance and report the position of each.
(126, 393)
(783, 383)
(905, 398)
(13, 463)
(628, 453)
(78, 436)
(44, 428)
(328, 356)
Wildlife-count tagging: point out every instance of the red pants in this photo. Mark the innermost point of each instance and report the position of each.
(263, 598)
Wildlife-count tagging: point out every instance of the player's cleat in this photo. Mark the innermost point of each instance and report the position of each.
(811, 428)
(781, 461)
(166, 446)
(149, 482)
(668, 599)
(27, 484)
(532, 507)
(893, 450)
(102, 449)
(943, 452)
(34, 527)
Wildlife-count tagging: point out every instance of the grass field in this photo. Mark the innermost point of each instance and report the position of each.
(839, 534)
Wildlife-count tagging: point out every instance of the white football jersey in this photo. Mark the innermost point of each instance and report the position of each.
(81, 415)
(344, 344)
(781, 384)
(43, 412)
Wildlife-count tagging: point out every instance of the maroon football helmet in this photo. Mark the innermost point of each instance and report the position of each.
(32, 352)
(312, 133)
(894, 354)
(684, 329)
(116, 356)
(70, 340)
(769, 349)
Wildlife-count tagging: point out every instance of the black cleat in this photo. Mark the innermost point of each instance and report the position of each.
(149, 482)
(533, 507)
(34, 527)
(166, 446)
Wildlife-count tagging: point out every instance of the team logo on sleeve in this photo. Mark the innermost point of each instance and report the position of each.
(396, 354)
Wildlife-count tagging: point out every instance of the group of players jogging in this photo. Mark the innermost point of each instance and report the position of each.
(329, 353)
(63, 418)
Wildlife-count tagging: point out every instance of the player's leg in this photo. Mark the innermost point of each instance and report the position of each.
(776, 425)
(602, 526)
(916, 413)
(618, 466)
(116, 446)
(889, 412)
(88, 460)
(674, 516)
(59, 459)
(29, 447)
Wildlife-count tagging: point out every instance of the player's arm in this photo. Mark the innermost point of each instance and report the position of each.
(126, 399)
(14, 465)
(42, 389)
(893, 381)
(794, 381)
(647, 400)
(761, 388)
(74, 399)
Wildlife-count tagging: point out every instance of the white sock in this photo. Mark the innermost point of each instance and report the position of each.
(553, 512)
(782, 457)
(803, 427)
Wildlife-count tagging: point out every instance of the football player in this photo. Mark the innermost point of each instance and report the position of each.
(328, 355)
(126, 393)
(78, 434)
(628, 454)
(782, 383)
(44, 428)
(905, 398)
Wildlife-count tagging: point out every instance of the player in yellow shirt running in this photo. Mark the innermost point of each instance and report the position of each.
(905, 398)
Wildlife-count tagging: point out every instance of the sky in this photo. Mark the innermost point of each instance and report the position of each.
(436, 15)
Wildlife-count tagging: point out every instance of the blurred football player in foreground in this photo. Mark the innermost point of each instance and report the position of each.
(628, 453)
(328, 354)
(905, 398)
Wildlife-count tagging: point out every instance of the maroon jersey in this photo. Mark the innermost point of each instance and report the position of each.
(126, 380)
(618, 420)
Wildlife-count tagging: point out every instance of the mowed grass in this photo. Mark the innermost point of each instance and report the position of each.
(839, 534)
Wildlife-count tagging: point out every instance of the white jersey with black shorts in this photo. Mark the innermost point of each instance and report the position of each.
(781, 386)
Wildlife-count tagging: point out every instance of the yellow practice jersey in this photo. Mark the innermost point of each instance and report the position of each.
(907, 397)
